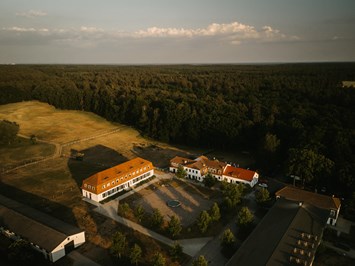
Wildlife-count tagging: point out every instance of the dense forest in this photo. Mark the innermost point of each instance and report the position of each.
(295, 118)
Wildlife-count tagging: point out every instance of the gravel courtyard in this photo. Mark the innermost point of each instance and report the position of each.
(193, 198)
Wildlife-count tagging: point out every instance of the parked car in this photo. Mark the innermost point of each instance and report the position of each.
(263, 185)
(342, 246)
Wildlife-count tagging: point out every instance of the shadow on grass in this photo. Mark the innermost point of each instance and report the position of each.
(95, 159)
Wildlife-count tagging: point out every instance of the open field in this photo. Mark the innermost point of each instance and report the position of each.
(193, 199)
(23, 150)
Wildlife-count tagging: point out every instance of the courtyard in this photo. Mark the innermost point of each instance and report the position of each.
(193, 199)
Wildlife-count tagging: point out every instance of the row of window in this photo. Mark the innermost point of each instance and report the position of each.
(126, 176)
(119, 188)
(192, 171)
(89, 187)
(139, 178)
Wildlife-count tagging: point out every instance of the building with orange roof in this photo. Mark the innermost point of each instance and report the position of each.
(197, 169)
(113, 180)
(239, 175)
(331, 204)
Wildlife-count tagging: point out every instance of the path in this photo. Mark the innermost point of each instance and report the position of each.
(58, 148)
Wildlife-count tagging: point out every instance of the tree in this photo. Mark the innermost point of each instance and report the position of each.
(176, 251)
(244, 217)
(232, 194)
(181, 173)
(209, 180)
(139, 212)
(119, 244)
(200, 261)
(228, 238)
(158, 259)
(215, 212)
(157, 219)
(174, 226)
(123, 209)
(136, 254)
(8, 132)
(203, 221)
(33, 139)
(308, 164)
(262, 195)
(245, 222)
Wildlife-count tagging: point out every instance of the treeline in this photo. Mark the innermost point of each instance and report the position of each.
(288, 115)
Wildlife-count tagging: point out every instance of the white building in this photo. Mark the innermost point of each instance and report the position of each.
(113, 180)
(46, 234)
(197, 169)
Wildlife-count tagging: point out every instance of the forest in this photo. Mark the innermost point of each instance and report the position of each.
(296, 119)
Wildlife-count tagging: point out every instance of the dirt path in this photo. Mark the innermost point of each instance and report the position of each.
(58, 148)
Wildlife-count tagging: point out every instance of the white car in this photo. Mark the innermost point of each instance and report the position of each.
(263, 185)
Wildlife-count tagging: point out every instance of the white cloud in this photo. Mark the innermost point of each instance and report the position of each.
(234, 33)
(32, 14)
(21, 29)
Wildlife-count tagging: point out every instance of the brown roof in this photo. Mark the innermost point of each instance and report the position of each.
(118, 174)
(239, 173)
(318, 200)
(215, 164)
(181, 160)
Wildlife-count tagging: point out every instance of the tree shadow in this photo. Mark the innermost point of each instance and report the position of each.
(95, 159)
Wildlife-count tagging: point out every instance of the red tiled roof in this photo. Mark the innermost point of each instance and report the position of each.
(239, 173)
(118, 174)
(300, 195)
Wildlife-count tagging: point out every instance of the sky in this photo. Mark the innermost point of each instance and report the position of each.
(176, 31)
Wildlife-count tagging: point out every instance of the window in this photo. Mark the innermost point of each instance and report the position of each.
(85, 185)
(113, 182)
(103, 186)
(108, 184)
(116, 180)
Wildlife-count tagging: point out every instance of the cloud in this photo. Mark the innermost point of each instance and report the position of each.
(32, 14)
(21, 29)
(234, 33)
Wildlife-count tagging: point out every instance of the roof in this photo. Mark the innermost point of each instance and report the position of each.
(273, 240)
(201, 163)
(33, 225)
(239, 173)
(181, 160)
(119, 174)
(318, 200)
(212, 163)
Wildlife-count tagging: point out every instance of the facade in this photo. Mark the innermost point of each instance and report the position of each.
(47, 235)
(197, 169)
(113, 180)
(330, 204)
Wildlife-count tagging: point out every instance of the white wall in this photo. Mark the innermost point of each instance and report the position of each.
(59, 251)
(128, 183)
